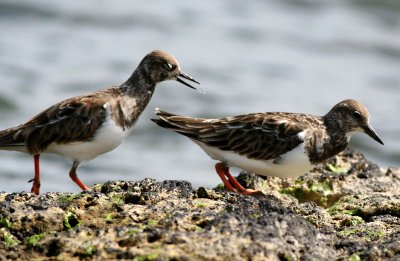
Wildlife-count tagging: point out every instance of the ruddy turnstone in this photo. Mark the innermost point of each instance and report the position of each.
(83, 127)
(275, 144)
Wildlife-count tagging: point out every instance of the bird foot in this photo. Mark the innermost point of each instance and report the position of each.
(35, 187)
(252, 192)
(232, 184)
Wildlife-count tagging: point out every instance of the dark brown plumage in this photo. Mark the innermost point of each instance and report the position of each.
(267, 139)
(72, 120)
(86, 126)
(257, 136)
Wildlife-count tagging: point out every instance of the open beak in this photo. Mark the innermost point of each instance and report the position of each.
(187, 77)
(370, 132)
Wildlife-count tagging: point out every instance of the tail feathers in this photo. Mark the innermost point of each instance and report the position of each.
(163, 114)
(184, 125)
(11, 137)
(162, 120)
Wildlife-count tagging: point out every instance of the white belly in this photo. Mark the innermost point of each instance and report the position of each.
(107, 138)
(292, 164)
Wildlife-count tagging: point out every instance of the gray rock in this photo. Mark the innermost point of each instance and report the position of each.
(345, 209)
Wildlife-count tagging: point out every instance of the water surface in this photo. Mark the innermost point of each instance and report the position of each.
(251, 56)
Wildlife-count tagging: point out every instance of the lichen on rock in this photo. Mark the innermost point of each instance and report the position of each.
(345, 209)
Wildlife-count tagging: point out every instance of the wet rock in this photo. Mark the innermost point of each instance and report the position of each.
(345, 209)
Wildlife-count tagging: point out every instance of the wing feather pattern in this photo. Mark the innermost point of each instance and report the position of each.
(258, 136)
(72, 120)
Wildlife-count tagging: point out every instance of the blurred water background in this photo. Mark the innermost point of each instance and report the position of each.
(251, 56)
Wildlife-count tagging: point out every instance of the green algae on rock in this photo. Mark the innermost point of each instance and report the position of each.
(352, 215)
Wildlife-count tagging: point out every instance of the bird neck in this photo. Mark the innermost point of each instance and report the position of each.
(134, 96)
(329, 142)
(334, 128)
(139, 84)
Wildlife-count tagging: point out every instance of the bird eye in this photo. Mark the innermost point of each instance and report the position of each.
(356, 115)
(168, 66)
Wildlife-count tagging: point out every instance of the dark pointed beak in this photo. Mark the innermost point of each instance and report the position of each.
(370, 132)
(187, 77)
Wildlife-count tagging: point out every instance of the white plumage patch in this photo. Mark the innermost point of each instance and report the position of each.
(107, 138)
(291, 165)
(351, 133)
(128, 105)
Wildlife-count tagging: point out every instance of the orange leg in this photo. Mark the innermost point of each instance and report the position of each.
(221, 169)
(230, 182)
(36, 180)
(74, 176)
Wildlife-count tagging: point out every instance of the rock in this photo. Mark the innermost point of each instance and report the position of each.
(346, 209)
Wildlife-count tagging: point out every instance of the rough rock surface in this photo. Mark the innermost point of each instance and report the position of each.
(347, 209)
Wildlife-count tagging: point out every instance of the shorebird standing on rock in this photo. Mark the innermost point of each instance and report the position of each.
(83, 127)
(275, 144)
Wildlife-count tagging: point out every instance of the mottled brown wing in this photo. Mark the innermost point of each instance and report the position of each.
(8, 138)
(75, 119)
(257, 136)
